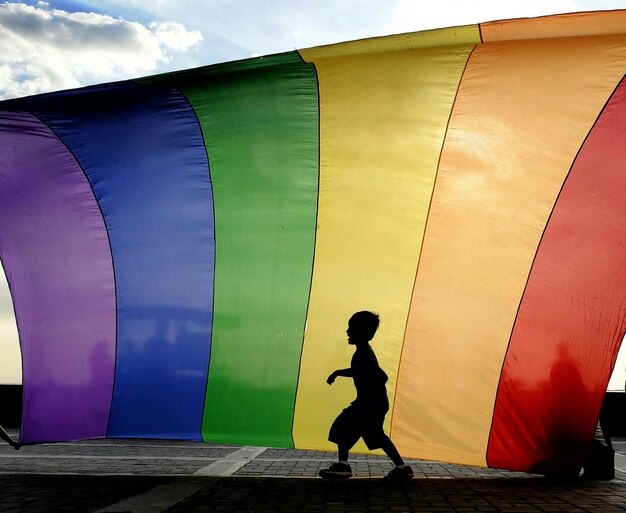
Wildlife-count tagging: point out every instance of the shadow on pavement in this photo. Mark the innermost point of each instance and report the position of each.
(423, 495)
(70, 493)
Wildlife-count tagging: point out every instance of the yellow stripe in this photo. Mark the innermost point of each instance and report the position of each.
(463, 35)
(383, 120)
(522, 112)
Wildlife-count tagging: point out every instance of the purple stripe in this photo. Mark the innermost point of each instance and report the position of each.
(56, 254)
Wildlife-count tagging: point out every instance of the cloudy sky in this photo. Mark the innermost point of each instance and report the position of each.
(47, 46)
(62, 44)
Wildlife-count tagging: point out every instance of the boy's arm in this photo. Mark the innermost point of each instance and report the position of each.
(346, 373)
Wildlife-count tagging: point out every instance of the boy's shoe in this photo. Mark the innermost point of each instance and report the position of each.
(399, 474)
(336, 471)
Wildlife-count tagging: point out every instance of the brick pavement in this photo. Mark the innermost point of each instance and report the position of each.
(52, 493)
(152, 476)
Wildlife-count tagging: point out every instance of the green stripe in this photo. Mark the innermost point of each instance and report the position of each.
(260, 123)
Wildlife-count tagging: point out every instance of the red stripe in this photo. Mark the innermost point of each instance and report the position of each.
(572, 317)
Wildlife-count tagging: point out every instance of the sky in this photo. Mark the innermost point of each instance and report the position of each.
(53, 45)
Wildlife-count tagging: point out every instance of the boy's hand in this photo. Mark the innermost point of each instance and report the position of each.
(331, 378)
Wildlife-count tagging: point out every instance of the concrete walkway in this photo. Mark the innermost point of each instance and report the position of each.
(154, 476)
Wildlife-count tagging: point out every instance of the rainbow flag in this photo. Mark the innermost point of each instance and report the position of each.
(184, 250)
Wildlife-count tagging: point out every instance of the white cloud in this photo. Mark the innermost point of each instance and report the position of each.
(236, 29)
(410, 16)
(174, 35)
(43, 49)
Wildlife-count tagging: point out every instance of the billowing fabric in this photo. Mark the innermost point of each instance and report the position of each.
(184, 251)
(56, 255)
(157, 207)
(260, 124)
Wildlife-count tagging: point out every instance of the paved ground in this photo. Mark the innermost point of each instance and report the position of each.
(154, 476)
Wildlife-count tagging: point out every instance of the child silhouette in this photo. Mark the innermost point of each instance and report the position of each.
(364, 417)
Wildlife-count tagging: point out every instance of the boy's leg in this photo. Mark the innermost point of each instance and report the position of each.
(402, 471)
(343, 452)
(341, 469)
(391, 451)
(345, 432)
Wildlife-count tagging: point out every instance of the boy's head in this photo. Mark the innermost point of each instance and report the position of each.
(362, 327)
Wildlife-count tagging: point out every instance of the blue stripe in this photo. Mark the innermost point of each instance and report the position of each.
(143, 152)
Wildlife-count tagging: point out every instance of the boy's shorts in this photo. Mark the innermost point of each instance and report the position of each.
(358, 422)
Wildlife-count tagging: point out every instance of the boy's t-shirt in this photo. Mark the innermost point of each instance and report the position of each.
(369, 379)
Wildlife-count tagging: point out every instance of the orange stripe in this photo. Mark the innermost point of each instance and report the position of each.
(601, 23)
(522, 112)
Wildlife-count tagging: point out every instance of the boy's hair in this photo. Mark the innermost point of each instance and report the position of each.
(366, 323)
